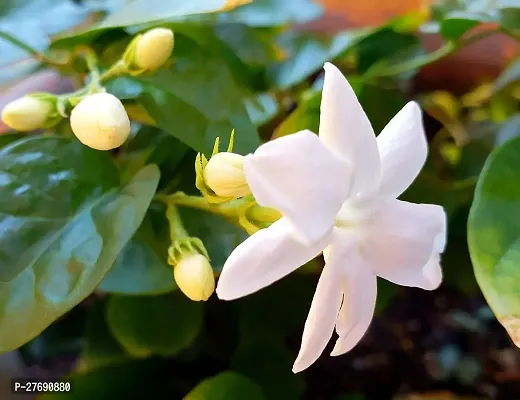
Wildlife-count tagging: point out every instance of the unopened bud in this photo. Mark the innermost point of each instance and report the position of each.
(100, 121)
(27, 113)
(224, 174)
(194, 276)
(153, 49)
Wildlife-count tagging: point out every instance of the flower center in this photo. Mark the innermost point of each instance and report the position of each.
(355, 212)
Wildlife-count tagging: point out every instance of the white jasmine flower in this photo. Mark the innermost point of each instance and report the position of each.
(337, 194)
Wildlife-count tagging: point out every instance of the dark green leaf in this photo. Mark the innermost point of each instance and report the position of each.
(65, 220)
(154, 325)
(100, 346)
(136, 379)
(494, 235)
(458, 23)
(266, 361)
(305, 116)
(383, 44)
(227, 385)
(307, 54)
(141, 268)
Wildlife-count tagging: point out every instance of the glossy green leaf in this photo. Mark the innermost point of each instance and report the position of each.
(154, 325)
(141, 268)
(307, 54)
(494, 235)
(227, 385)
(194, 104)
(262, 108)
(60, 204)
(100, 347)
(142, 12)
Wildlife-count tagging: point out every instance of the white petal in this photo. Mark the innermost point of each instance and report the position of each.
(345, 128)
(359, 287)
(301, 178)
(403, 150)
(432, 271)
(321, 319)
(263, 258)
(400, 241)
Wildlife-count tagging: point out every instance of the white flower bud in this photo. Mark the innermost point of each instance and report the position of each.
(224, 174)
(194, 276)
(153, 49)
(26, 113)
(100, 121)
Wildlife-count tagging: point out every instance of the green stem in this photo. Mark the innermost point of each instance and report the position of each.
(117, 69)
(177, 231)
(32, 51)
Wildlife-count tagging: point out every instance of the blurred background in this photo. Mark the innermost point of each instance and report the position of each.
(442, 345)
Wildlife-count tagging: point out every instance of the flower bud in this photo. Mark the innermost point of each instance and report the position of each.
(27, 113)
(100, 121)
(224, 174)
(153, 49)
(194, 276)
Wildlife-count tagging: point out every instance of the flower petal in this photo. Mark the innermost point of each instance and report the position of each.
(403, 150)
(301, 178)
(401, 240)
(359, 287)
(263, 258)
(432, 271)
(321, 319)
(345, 129)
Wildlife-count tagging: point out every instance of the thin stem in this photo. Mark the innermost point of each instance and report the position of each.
(32, 51)
(117, 69)
(177, 231)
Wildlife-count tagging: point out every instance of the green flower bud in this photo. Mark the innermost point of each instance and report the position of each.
(153, 49)
(27, 113)
(100, 121)
(194, 276)
(224, 174)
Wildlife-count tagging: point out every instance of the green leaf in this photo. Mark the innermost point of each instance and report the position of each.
(141, 268)
(510, 18)
(100, 347)
(219, 236)
(457, 24)
(384, 44)
(154, 325)
(140, 12)
(262, 108)
(267, 13)
(194, 104)
(65, 220)
(128, 380)
(307, 53)
(34, 22)
(494, 235)
(305, 116)
(227, 385)
(510, 75)
(266, 361)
